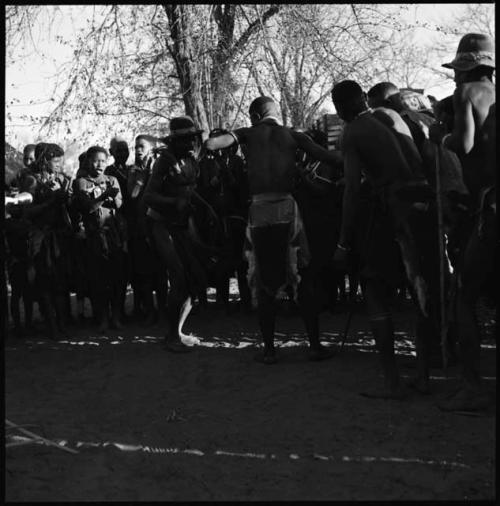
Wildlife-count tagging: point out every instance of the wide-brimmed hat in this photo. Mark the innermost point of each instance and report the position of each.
(474, 49)
(182, 126)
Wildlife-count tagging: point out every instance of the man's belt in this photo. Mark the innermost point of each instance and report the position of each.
(271, 197)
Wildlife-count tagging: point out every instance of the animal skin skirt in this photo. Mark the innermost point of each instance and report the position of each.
(276, 246)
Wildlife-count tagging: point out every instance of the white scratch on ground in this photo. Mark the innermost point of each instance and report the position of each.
(272, 456)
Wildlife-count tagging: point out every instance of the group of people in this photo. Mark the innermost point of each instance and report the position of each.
(93, 234)
(408, 200)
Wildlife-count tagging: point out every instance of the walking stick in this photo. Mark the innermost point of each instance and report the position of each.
(346, 328)
(368, 239)
(442, 302)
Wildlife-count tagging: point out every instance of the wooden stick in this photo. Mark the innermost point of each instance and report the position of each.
(442, 301)
(39, 438)
(19, 443)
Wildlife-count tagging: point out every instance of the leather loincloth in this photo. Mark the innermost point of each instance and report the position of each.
(276, 245)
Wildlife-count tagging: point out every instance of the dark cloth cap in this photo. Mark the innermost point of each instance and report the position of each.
(474, 49)
(182, 126)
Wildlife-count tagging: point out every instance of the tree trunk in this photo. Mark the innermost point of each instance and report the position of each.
(188, 70)
(224, 16)
(223, 86)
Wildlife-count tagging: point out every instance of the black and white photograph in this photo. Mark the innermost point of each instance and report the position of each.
(250, 252)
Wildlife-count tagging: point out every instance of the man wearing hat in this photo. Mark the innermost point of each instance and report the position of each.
(473, 140)
(386, 97)
(278, 254)
(168, 195)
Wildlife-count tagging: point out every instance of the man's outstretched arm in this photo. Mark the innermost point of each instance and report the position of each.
(221, 141)
(315, 151)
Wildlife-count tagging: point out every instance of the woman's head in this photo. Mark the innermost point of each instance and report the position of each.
(96, 160)
(49, 157)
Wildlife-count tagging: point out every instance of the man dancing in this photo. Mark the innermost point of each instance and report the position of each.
(278, 253)
(168, 194)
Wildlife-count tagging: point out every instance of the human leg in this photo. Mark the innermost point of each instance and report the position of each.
(178, 285)
(15, 302)
(377, 304)
(28, 302)
(309, 309)
(266, 310)
(477, 267)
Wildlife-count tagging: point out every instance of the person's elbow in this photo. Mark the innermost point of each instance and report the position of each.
(211, 144)
(219, 142)
(465, 146)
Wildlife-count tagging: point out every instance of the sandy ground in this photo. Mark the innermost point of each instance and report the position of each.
(149, 425)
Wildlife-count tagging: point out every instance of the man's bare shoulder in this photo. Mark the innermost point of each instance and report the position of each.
(385, 111)
(264, 132)
(470, 91)
(392, 119)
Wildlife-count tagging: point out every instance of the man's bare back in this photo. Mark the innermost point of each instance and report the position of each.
(270, 154)
(377, 149)
(271, 157)
(393, 120)
(274, 220)
(473, 103)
